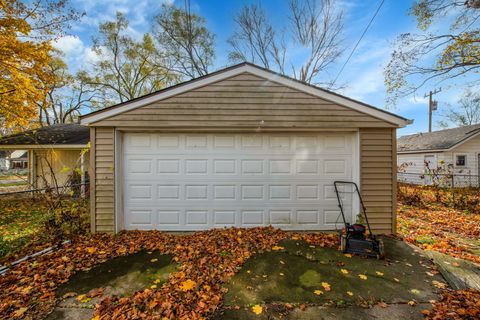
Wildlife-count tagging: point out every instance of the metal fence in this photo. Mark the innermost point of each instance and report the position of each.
(441, 180)
(72, 190)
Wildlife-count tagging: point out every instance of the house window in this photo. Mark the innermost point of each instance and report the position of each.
(461, 160)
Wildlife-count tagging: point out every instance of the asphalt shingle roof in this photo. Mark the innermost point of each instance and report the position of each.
(55, 134)
(437, 140)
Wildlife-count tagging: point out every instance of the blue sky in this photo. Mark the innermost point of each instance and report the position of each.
(362, 76)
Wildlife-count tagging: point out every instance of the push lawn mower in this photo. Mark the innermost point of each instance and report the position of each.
(355, 239)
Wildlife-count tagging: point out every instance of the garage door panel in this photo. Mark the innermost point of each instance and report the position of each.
(201, 181)
(169, 191)
(161, 166)
(174, 144)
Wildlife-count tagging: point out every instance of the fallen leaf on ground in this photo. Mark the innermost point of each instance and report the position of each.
(187, 285)
(362, 276)
(257, 309)
(20, 312)
(439, 284)
(326, 286)
(83, 298)
(91, 250)
(69, 295)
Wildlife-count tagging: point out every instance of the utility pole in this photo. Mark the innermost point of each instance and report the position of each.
(432, 106)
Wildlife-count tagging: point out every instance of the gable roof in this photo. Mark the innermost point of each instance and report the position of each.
(438, 140)
(57, 134)
(18, 155)
(236, 70)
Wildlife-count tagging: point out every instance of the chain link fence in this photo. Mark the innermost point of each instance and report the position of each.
(441, 180)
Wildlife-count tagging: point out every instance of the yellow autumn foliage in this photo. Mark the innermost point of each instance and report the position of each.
(26, 32)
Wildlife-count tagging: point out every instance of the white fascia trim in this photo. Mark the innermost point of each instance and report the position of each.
(400, 122)
(43, 146)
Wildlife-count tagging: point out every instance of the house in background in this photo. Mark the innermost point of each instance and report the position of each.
(18, 160)
(242, 147)
(13, 160)
(52, 153)
(457, 148)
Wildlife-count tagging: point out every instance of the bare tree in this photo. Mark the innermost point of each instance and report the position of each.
(185, 39)
(315, 26)
(255, 40)
(127, 68)
(466, 112)
(66, 96)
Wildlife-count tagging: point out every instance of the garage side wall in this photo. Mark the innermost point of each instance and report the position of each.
(378, 177)
(103, 189)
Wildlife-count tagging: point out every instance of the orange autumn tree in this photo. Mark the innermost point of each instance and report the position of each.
(26, 32)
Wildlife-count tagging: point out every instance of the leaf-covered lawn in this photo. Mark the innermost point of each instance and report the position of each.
(433, 225)
(431, 219)
(20, 224)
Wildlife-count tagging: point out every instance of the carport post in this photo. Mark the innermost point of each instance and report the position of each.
(31, 171)
(82, 176)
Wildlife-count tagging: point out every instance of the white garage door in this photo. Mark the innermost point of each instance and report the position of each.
(203, 181)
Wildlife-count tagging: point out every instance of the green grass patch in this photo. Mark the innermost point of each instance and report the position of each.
(20, 222)
(425, 239)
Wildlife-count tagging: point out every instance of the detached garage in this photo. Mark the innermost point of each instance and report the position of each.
(240, 147)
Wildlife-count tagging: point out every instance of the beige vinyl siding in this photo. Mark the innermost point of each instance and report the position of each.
(377, 175)
(103, 193)
(243, 101)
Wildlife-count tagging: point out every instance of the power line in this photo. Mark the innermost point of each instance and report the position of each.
(358, 42)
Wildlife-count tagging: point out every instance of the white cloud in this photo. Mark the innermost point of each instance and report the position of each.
(75, 52)
(366, 83)
(91, 56)
(68, 44)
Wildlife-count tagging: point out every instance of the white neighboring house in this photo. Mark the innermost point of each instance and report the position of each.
(457, 147)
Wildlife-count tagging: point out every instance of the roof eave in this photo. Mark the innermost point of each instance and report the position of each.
(42, 146)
